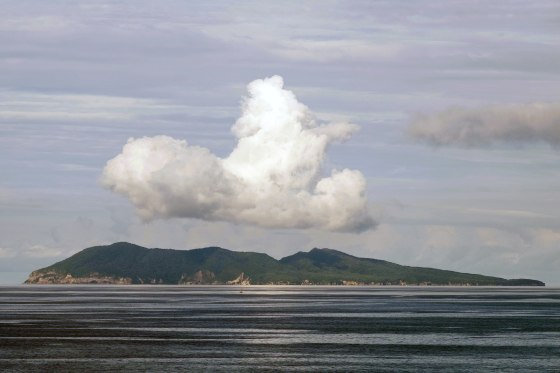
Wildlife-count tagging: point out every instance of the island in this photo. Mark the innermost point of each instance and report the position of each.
(124, 263)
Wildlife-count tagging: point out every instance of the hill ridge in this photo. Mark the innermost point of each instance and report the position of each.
(127, 263)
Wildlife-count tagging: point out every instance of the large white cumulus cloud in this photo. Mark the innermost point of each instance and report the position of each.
(521, 123)
(273, 178)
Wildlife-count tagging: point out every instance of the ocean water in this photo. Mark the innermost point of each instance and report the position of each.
(282, 328)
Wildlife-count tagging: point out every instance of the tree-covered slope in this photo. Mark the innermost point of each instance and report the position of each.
(330, 265)
(128, 263)
(142, 265)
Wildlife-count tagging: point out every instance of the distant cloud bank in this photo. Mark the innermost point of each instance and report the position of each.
(522, 123)
(273, 178)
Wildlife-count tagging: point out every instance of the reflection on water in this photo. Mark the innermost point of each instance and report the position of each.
(260, 328)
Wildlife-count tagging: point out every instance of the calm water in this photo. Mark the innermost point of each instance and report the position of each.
(219, 328)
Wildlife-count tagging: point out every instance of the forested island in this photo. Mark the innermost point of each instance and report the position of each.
(126, 263)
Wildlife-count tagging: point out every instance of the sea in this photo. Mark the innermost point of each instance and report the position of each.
(137, 328)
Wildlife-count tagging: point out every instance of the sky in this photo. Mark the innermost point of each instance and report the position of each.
(423, 133)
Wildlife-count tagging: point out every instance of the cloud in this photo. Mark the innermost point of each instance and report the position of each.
(518, 124)
(332, 50)
(546, 237)
(440, 236)
(28, 107)
(40, 251)
(7, 252)
(273, 178)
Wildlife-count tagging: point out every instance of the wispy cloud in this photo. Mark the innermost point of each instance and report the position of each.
(517, 124)
(7, 253)
(40, 251)
(32, 106)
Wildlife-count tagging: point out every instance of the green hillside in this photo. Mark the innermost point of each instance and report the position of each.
(128, 263)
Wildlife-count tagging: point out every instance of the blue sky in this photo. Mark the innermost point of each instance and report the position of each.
(475, 187)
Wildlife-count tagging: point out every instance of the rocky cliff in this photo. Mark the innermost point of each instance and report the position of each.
(53, 277)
